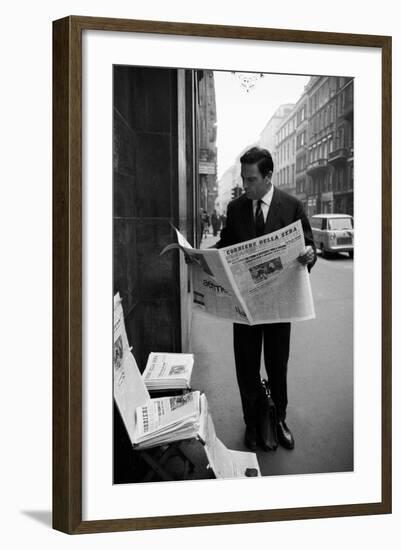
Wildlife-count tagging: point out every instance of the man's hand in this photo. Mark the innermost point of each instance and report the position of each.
(307, 257)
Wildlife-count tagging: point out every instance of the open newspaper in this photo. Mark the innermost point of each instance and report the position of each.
(168, 371)
(253, 282)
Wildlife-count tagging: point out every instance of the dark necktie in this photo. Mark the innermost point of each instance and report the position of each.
(259, 220)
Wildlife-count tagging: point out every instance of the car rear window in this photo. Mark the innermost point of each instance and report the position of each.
(316, 223)
(337, 224)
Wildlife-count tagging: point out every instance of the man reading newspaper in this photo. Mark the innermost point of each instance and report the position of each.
(261, 210)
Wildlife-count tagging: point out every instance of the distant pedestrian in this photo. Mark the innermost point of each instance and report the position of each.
(216, 223)
(204, 219)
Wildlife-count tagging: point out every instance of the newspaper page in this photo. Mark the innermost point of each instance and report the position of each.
(273, 284)
(242, 461)
(226, 463)
(128, 386)
(170, 370)
(168, 419)
(254, 282)
(120, 335)
(213, 290)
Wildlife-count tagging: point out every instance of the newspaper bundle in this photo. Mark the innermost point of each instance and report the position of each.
(254, 282)
(168, 371)
(160, 421)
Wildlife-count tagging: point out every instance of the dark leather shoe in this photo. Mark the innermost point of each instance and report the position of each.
(250, 439)
(284, 435)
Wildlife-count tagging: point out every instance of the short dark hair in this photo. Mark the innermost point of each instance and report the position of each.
(259, 156)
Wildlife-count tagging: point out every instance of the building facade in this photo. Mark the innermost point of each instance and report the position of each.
(320, 143)
(341, 157)
(230, 184)
(330, 145)
(207, 134)
(301, 149)
(226, 184)
(285, 153)
(267, 138)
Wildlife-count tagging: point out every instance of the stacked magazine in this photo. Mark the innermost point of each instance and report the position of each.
(168, 371)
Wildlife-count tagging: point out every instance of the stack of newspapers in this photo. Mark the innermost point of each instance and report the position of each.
(164, 420)
(151, 422)
(168, 419)
(168, 371)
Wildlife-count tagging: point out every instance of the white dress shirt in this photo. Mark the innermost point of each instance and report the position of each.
(267, 199)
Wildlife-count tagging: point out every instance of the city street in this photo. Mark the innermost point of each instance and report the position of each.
(320, 377)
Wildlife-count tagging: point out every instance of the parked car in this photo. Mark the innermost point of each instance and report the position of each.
(333, 233)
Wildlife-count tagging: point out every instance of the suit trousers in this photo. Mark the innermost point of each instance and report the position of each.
(247, 353)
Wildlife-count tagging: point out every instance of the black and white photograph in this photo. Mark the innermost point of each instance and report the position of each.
(226, 157)
(202, 197)
(261, 272)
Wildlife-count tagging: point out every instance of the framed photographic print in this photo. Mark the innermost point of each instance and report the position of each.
(229, 135)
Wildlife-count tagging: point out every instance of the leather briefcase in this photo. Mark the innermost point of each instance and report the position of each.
(267, 419)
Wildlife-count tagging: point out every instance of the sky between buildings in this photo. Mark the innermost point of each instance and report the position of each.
(241, 115)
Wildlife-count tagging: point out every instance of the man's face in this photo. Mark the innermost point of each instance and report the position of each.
(255, 185)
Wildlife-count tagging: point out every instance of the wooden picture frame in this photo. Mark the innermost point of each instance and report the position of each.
(67, 273)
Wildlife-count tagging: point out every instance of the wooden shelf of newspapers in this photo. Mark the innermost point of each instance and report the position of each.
(159, 428)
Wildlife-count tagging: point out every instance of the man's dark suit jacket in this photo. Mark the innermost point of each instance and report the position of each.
(284, 210)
